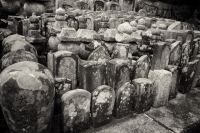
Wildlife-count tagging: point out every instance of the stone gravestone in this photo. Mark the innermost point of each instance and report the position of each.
(161, 55)
(187, 76)
(142, 67)
(161, 84)
(174, 84)
(103, 99)
(27, 97)
(76, 111)
(123, 101)
(64, 64)
(143, 95)
(117, 73)
(92, 74)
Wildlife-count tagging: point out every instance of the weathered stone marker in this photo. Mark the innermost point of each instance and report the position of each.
(143, 95)
(185, 52)
(161, 55)
(27, 97)
(175, 54)
(174, 84)
(161, 85)
(76, 111)
(120, 50)
(197, 73)
(17, 56)
(142, 67)
(123, 101)
(118, 73)
(91, 75)
(100, 54)
(62, 85)
(103, 99)
(187, 76)
(64, 64)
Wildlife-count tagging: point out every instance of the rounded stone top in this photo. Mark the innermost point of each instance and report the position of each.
(60, 11)
(153, 26)
(34, 18)
(27, 75)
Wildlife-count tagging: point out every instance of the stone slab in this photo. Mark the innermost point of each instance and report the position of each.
(181, 115)
(131, 124)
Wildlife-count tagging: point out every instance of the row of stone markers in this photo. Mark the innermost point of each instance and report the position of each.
(114, 71)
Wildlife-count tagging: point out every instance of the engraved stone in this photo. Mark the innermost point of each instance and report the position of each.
(76, 111)
(143, 95)
(161, 85)
(103, 99)
(64, 64)
(123, 101)
(118, 73)
(27, 97)
(92, 74)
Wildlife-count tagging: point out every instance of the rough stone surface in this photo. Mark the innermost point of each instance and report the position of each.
(143, 95)
(197, 73)
(133, 124)
(103, 99)
(180, 115)
(100, 54)
(174, 84)
(123, 101)
(17, 56)
(120, 50)
(64, 64)
(142, 67)
(76, 111)
(85, 35)
(92, 74)
(161, 55)
(175, 54)
(187, 76)
(161, 85)
(117, 73)
(27, 97)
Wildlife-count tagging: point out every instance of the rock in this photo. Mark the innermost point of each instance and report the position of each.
(64, 64)
(175, 54)
(162, 80)
(185, 52)
(103, 99)
(142, 67)
(187, 76)
(125, 28)
(92, 74)
(53, 43)
(62, 85)
(68, 35)
(11, 38)
(100, 54)
(85, 35)
(143, 95)
(18, 44)
(161, 55)
(123, 37)
(174, 84)
(175, 26)
(197, 73)
(109, 35)
(76, 111)
(118, 73)
(123, 101)
(120, 50)
(17, 56)
(27, 97)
